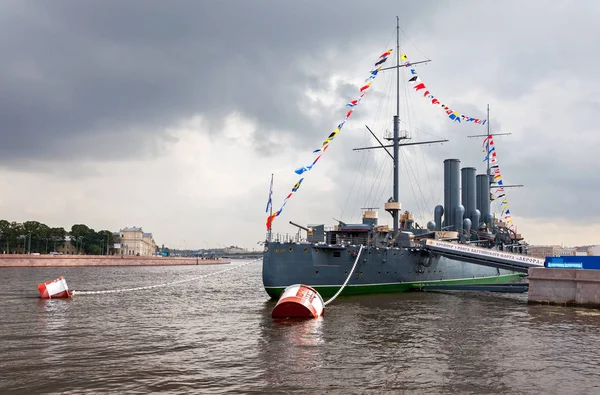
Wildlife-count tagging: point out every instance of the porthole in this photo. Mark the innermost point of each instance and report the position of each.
(266, 249)
(305, 249)
(291, 249)
(316, 272)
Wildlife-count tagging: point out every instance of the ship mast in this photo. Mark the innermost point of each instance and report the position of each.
(396, 213)
(487, 147)
(488, 158)
(392, 206)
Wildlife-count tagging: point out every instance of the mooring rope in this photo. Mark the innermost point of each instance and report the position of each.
(75, 292)
(347, 278)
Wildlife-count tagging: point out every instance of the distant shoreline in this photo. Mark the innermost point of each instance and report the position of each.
(23, 260)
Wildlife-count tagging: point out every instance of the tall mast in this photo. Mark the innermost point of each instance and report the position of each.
(488, 159)
(397, 124)
(394, 208)
(489, 173)
(488, 140)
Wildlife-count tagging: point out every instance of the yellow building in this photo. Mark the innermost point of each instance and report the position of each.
(542, 251)
(67, 248)
(133, 241)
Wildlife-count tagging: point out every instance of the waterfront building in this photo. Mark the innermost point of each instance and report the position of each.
(134, 241)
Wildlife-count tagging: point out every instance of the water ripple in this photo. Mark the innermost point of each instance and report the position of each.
(217, 336)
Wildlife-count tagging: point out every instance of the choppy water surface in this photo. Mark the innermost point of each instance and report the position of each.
(217, 336)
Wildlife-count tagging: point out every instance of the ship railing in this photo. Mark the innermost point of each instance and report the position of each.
(335, 239)
(347, 240)
(288, 238)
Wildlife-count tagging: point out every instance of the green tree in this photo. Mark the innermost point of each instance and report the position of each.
(106, 237)
(89, 241)
(15, 230)
(4, 235)
(81, 236)
(57, 237)
(44, 234)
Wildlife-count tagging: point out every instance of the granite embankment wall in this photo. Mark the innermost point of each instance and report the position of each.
(574, 287)
(99, 260)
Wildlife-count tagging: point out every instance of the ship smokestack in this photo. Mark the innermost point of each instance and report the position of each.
(451, 191)
(468, 191)
(483, 196)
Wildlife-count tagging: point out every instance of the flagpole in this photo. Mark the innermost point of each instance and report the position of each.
(271, 210)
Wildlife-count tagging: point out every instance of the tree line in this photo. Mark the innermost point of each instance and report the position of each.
(36, 237)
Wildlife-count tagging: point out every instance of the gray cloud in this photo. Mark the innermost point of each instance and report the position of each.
(76, 69)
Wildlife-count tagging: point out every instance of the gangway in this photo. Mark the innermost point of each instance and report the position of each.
(483, 256)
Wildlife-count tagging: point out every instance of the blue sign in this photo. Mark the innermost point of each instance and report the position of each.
(573, 262)
(565, 265)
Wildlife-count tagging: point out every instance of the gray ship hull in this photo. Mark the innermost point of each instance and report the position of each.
(325, 268)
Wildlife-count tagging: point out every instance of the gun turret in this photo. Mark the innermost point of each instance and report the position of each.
(300, 226)
(340, 223)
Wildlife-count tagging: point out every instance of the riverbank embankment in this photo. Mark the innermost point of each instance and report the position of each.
(23, 260)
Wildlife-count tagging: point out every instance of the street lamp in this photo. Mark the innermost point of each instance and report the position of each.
(79, 244)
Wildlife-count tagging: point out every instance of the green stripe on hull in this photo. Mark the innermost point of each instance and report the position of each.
(330, 290)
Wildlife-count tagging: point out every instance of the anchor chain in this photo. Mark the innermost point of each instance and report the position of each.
(75, 292)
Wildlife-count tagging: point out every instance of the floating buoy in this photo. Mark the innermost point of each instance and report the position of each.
(299, 301)
(54, 289)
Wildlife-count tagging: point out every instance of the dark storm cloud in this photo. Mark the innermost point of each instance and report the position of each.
(126, 70)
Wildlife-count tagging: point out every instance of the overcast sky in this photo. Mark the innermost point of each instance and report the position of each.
(173, 115)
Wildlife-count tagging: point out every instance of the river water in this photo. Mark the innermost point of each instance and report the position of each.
(216, 335)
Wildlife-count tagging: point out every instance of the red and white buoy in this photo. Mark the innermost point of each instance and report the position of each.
(54, 289)
(299, 301)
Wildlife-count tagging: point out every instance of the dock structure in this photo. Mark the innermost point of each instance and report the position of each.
(569, 281)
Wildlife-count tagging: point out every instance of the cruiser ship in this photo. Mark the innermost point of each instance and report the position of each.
(397, 258)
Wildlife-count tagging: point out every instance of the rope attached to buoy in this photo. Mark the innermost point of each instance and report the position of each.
(347, 278)
(75, 292)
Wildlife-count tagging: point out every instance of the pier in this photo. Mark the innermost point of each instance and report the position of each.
(567, 281)
(567, 287)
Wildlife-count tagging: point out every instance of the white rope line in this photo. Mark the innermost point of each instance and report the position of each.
(161, 285)
(347, 279)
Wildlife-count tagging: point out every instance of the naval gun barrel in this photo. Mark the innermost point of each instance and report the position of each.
(299, 226)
